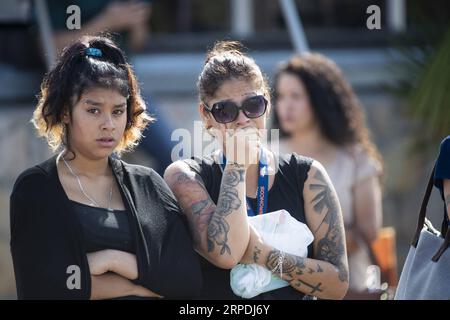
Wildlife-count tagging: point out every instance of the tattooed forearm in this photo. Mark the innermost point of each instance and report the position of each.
(292, 267)
(288, 262)
(319, 269)
(330, 248)
(218, 234)
(232, 178)
(201, 216)
(228, 202)
(314, 288)
(447, 200)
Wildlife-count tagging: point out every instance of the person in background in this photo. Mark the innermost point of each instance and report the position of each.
(128, 18)
(442, 177)
(84, 224)
(319, 116)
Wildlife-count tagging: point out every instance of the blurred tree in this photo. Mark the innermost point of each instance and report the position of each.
(425, 71)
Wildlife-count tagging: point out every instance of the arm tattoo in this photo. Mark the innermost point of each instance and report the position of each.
(181, 177)
(256, 254)
(201, 210)
(319, 268)
(228, 201)
(331, 247)
(293, 267)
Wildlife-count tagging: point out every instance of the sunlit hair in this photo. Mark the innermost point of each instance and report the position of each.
(226, 61)
(74, 74)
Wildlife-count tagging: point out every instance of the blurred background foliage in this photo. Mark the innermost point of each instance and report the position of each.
(424, 82)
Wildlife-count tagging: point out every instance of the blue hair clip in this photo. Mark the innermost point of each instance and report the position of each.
(93, 52)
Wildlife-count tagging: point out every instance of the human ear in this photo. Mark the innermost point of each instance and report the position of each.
(66, 116)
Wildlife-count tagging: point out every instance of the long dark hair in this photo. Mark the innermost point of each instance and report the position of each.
(335, 106)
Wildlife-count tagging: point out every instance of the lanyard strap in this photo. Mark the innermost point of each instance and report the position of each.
(263, 185)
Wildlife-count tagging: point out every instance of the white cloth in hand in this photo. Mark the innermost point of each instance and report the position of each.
(281, 231)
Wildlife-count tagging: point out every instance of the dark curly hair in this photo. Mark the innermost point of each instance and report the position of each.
(335, 106)
(76, 72)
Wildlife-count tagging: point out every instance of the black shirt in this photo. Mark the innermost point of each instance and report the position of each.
(103, 229)
(442, 172)
(285, 193)
(47, 242)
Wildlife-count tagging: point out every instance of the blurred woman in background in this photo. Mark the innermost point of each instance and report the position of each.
(319, 116)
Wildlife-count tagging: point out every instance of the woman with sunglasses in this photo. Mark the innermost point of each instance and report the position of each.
(84, 224)
(243, 178)
(320, 117)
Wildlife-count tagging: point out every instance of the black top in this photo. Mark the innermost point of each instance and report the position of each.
(103, 229)
(285, 193)
(442, 170)
(47, 246)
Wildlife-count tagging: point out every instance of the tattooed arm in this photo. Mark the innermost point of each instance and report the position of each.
(221, 231)
(326, 275)
(447, 195)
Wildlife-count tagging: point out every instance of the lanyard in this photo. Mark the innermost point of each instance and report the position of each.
(263, 185)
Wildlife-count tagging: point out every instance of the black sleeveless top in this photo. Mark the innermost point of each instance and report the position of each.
(103, 229)
(286, 193)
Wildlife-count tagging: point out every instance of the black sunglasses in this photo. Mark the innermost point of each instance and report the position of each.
(227, 111)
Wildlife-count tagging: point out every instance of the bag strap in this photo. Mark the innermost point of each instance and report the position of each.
(423, 209)
(421, 221)
(444, 247)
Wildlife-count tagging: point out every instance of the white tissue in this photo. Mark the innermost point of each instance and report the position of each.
(280, 230)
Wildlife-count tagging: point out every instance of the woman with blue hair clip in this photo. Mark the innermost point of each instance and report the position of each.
(84, 224)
